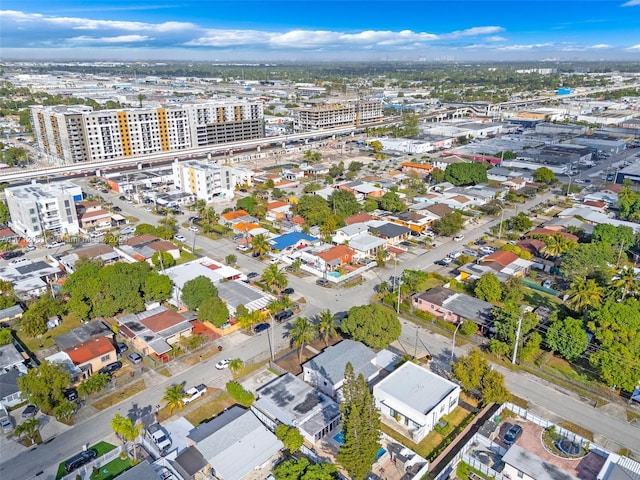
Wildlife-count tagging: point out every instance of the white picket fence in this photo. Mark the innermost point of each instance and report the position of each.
(85, 470)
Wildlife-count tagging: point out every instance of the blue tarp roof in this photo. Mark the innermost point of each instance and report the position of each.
(289, 239)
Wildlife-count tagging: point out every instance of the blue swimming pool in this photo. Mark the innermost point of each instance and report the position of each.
(333, 274)
(339, 437)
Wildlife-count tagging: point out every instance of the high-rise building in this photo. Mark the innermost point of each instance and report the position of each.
(38, 208)
(204, 180)
(337, 115)
(77, 134)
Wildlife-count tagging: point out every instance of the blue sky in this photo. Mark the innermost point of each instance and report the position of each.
(320, 30)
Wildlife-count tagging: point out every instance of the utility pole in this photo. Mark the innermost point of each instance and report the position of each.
(515, 347)
(399, 280)
(453, 345)
(501, 222)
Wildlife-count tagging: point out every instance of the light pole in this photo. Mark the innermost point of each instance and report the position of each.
(453, 344)
(399, 280)
(501, 222)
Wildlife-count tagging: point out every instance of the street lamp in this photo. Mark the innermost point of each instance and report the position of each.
(453, 345)
(501, 222)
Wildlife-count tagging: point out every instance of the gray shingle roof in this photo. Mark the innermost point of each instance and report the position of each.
(333, 360)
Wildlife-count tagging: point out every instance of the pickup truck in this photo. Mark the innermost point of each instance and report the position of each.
(5, 420)
(194, 393)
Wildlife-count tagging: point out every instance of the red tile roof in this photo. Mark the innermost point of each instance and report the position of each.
(502, 257)
(594, 203)
(418, 166)
(146, 238)
(276, 204)
(89, 350)
(358, 218)
(234, 215)
(548, 231)
(337, 252)
(163, 245)
(162, 321)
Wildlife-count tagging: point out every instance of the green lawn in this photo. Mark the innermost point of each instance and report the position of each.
(34, 344)
(534, 297)
(101, 448)
(113, 469)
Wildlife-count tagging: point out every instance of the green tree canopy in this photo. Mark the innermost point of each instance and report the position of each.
(302, 469)
(373, 325)
(588, 260)
(391, 202)
(370, 204)
(449, 224)
(488, 288)
(197, 290)
(360, 426)
(544, 175)
(44, 386)
(465, 173)
(437, 175)
(343, 203)
(213, 310)
(520, 223)
(475, 375)
(506, 326)
(5, 216)
(34, 320)
(313, 208)
(567, 337)
(162, 260)
(290, 437)
(248, 204)
(616, 236)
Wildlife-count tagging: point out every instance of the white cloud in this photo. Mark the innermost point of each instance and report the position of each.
(631, 3)
(495, 38)
(600, 46)
(525, 47)
(473, 31)
(635, 47)
(108, 40)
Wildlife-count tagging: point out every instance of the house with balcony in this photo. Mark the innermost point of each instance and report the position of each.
(277, 211)
(412, 400)
(333, 258)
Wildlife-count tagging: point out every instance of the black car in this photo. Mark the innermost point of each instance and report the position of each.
(30, 412)
(12, 254)
(112, 367)
(261, 327)
(252, 275)
(71, 394)
(122, 198)
(121, 347)
(513, 434)
(479, 242)
(79, 460)
(116, 208)
(287, 291)
(323, 282)
(283, 315)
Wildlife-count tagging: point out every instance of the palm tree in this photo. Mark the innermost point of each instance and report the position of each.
(302, 332)
(199, 206)
(295, 266)
(556, 245)
(626, 282)
(272, 276)
(28, 429)
(235, 365)
(174, 395)
(260, 245)
(251, 318)
(326, 326)
(126, 429)
(584, 293)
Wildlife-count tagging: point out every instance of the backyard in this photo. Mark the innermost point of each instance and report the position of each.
(101, 448)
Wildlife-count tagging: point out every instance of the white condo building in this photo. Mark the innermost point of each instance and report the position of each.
(337, 115)
(77, 134)
(37, 208)
(204, 180)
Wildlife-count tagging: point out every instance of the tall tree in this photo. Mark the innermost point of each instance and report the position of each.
(488, 287)
(260, 245)
(272, 276)
(584, 293)
(235, 365)
(476, 376)
(343, 203)
(465, 173)
(361, 426)
(449, 224)
(327, 326)
(313, 208)
(197, 290)
(173, 396)
(568, 337)
(43, 386)
(391, 202)
(626, 283)
(213, 310)
(544, 175)
(373, 325)
(506, 323)
(302, 333)
(290, 437)
(126, 429)
(28, 429)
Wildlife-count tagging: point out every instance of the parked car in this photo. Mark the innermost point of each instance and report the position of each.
(30, 248)
(283, 315)
(242, 248)
(443, 262)
(252, 275)
(406, 244)
(6, 423)
(470, 253)
(194, 393)
(159, 436)
(71, 394)
(479, 242)
(20, 261)
(546, 284)
(323, 282)
(122, 198)
(180, 238)
(458, 238)
(30, 412)
(222, 364)
(116, 208)
(287, 291)
(121, 347)
(261, 327)
(55, 244)
(79, 460)
(194, 229)
(11, 254)
(455, 254)
(135, 357)
(513, 434)
(112, 367)
(128, 230)
(487, 250)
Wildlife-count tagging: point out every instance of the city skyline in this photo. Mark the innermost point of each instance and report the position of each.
(321, 30)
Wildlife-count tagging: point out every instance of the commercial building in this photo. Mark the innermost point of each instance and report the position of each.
(204, 180)
(36, 208)
(337, 115)
(77, 134)
(606, 143)
(564, 154)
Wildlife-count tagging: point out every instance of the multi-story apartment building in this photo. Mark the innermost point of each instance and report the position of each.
(37, 208)
(204, 180)
(337, 115)
(76, 134)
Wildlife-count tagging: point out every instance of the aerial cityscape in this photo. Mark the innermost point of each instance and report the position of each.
(320, 240)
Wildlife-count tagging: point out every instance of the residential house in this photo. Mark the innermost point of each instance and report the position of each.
(292, 174)
(440, 209)
(454, 307)
(325, 371)
(552, 228)
(421, 169)
(414, 399)
(10, 315)
(414, 221)
(265, 177)
(443, 162)
(12, 366)
(595, 205)
(9, 236)
(231, 218)
(238, 293)
(334, 258)
(358, 218)
(92, 355)
(234, 445)
(88, 331)
(502, 263)
(319, 169)
(92, 216)
(514, 184)
(143, 247)
(292, 241)
(596, 218)
(277, 211)
(364, 190)
(30, 279)
(521, 463)
(290, 401)
(392, 233)
(366, 245)
(348, 233)
(154, 331)
(105, 254)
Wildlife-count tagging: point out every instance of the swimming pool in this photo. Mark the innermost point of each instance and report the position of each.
(333, 274)
(339, 437)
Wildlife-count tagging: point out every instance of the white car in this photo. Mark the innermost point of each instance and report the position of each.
(455, 254)
(222, 364)
(194, 393)
(55, 244)
(193, 228)
(242, 248)
(458, 238)
(180, 238)
(128, 230)
(160, 437)
(20, 261)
